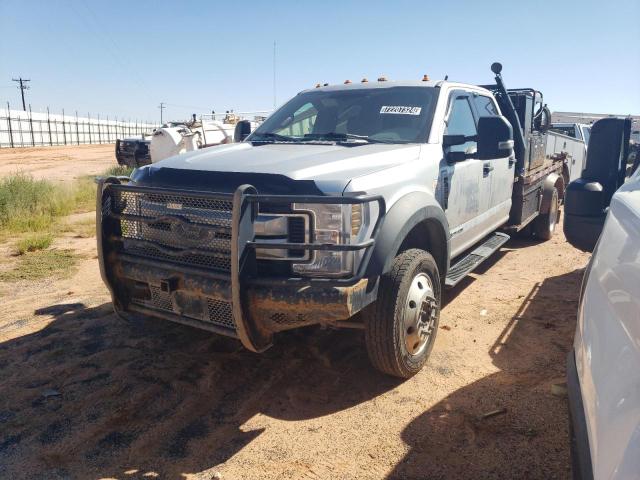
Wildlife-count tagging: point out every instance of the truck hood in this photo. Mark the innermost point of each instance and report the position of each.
(331, 167)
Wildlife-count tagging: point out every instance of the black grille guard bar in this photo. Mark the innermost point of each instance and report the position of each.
(325, 282)
(245, 200)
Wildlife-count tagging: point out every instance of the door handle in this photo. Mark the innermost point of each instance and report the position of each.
(486, 168)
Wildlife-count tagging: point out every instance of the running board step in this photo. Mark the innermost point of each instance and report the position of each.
(469, 262)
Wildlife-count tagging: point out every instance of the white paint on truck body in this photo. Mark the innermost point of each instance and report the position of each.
(607, 341)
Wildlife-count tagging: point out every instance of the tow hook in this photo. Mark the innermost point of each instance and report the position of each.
(170, 285)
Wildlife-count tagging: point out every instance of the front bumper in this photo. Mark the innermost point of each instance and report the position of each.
(236, 302)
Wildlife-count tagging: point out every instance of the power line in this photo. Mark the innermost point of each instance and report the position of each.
(22, 88)
(162, 106)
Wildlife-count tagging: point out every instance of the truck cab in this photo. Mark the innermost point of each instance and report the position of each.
(351, 206)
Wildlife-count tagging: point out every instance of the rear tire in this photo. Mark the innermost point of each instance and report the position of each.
(401, 327)
(545, 225)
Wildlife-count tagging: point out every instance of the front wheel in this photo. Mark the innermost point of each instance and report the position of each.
(401, 327)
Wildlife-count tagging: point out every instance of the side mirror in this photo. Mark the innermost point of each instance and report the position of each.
(454, 157)
(495, 138)
(451, 140)
(242, 130)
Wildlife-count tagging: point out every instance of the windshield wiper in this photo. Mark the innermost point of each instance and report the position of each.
(343, 137)
(270, 136)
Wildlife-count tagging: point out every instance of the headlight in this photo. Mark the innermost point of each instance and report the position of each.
(336, 224)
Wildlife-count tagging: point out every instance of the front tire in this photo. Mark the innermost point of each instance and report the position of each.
(401, 327)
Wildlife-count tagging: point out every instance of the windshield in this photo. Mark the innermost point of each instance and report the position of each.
(359, 115)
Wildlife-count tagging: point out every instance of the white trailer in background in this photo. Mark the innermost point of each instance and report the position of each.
(212, 129)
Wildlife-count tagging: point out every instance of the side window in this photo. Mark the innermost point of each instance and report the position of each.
(485, 106)
(300, 123)
(587, 133)
(461, 122)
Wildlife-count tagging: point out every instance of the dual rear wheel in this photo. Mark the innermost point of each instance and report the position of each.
(545, 224)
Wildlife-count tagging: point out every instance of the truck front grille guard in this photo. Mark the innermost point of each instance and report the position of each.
(242, 243)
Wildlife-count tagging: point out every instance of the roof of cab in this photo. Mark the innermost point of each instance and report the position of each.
(391, 84)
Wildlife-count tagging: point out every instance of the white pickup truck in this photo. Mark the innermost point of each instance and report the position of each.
(569, 141)
(351, 206)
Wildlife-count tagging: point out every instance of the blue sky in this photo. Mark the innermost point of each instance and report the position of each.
(122, 58)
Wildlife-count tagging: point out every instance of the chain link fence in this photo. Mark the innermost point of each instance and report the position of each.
(39, 129)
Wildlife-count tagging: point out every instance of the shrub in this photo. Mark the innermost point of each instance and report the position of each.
(29, 205)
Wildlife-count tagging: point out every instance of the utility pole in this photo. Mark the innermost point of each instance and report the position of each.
(22, 88)
(161, 107)
(274, 74)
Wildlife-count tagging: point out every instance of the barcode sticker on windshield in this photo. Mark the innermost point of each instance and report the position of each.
(400, 110)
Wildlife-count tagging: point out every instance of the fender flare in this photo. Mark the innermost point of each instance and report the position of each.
(405, 214)
(551, 183)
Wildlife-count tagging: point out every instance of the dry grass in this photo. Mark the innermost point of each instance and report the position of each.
(33, 243)
(85, 228)
(41, 264)
(29, 205)
(118, 171)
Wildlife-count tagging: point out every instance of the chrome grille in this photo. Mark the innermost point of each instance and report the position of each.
(192, 259)
(178, 228)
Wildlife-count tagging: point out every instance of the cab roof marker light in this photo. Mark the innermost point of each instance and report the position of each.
(318, 85)
(425, 78)
(364, 80)
(382, 79)
(347, 82)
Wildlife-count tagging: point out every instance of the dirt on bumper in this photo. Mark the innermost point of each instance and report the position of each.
(203, 302)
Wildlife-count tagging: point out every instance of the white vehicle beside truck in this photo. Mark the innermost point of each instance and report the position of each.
(351, 206)
(602, 214)
(569, 141)
(579, 131)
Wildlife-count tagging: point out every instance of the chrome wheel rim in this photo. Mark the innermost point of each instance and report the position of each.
(420, 314)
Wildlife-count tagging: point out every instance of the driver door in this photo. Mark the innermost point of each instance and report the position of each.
(499, 172)
(465, 192)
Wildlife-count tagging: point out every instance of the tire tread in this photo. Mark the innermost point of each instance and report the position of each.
(384, 354)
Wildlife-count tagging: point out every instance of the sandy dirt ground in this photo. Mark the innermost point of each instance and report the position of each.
(85, 395)
(58, 163)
